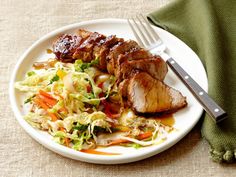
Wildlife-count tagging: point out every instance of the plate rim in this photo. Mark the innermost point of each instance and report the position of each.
(77, 155)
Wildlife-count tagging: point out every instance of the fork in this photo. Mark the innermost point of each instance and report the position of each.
(148, 38)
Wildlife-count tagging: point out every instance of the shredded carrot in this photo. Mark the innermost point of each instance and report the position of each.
(45, 94)
(47, 98)
(118, 141)
(40, 103)
(67, 142)
(53, 116)
(140, 137)
(144, 135)
(63, 109)
(62, 129)
(50, 102)
(92, 151)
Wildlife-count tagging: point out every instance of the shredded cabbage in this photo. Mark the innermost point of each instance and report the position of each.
(68, 102)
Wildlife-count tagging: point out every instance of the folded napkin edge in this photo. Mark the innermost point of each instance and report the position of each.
(156, 22)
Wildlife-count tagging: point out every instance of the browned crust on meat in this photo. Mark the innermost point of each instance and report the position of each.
(155, 66)
(148, 95)
(85, 50)
(65, 46)
(103, 48)
(139, 74)
(120, 48)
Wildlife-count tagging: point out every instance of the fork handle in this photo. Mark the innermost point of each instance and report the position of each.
(209, 105)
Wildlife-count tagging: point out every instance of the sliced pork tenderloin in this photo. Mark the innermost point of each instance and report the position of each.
(149, 95)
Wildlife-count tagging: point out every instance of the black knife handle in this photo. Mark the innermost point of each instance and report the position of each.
(210, 106)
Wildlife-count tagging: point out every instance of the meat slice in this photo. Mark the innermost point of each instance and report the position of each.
(84, 34)
(155, 66)
(139, 74)
(120, 48)
(149, 95)
(134, 54)
(65, 46)
(102, 49)
(85, 50)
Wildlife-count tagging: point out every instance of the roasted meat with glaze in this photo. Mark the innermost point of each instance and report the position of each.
(149, 95)
(155, 66)
(103, 48)
(85, 50)
(116, 51)
(65, 47)
(139, 74)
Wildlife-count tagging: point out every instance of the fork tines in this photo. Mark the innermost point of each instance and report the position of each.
(143, 31)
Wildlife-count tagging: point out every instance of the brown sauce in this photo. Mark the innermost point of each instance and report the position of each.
(49, 51)
(167, 119)
(45, 64)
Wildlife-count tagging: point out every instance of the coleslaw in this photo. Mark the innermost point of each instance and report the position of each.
(81, 108)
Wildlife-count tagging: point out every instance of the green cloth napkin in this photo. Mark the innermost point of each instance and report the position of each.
(209, 28)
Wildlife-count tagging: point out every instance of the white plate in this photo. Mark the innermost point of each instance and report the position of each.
(185, 119)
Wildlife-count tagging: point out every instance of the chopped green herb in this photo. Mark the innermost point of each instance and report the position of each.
(81, 66)
(55, 78)
(30, 73)
(134, 145)
(85, 66)
(95, 61)
(28, 100)
(90, 96)
(80, 127)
